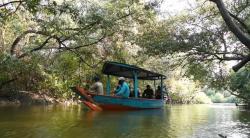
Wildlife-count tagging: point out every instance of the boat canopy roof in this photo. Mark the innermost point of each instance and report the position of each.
(127, 71)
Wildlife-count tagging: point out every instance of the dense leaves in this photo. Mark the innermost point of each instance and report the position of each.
(47, 46)
(240, 84)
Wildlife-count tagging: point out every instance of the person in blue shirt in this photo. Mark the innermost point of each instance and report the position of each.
(123, 89)
(118, 87)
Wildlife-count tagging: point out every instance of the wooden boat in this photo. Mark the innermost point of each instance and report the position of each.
(108, 102)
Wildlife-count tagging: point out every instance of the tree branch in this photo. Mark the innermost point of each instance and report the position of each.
(11, 2)
(239, 96)
(219, 55)
(79, 56)
(78, 30)
(7, 82)
(241, 63)
(240, 21)
(243, 37)
(19, 38)
(35, 49)
(97, 41)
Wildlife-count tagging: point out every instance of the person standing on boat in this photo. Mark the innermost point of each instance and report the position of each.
(97, 87)
(123, 90)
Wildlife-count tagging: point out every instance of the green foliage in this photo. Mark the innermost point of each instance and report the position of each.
(58, 44)
(198, 41)
(185, 91)
(202, 98)
(197, 71)
(231, 99)
(24, 74)
(217, 98)
(69, 40)
(220, 96)
(210, 92)
(240, 84)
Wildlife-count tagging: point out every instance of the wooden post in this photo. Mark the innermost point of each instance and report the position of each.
(108, 86)
(162, 88)
(154, 87)
(135, 84)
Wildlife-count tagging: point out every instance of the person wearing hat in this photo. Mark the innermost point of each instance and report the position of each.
(97, 87)
(123, 89)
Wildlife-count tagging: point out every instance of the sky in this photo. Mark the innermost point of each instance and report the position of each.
(172, 7)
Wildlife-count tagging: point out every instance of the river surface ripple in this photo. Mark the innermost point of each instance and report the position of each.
(174, 121)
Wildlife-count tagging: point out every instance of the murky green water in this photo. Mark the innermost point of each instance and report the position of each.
(184, 121)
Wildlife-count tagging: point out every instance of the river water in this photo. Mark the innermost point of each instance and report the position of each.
(181, 121)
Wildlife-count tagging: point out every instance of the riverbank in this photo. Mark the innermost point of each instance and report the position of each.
(30, 98)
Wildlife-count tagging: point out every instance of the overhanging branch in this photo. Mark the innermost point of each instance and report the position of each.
(11, 2)
(243, 37)
(35, 49)
(19, 38)
(240, 21)
(241, 63)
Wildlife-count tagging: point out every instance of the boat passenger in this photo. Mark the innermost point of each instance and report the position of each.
(118, 87)
(123, 90)
(130, 84)
(148, 92)
(97, 87)
(132, 94)
(158, 93)
(139, 92)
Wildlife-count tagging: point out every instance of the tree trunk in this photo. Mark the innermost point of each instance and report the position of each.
(2, 40)
(243, 37)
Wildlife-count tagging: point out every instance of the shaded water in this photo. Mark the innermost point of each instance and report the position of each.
(184, 121)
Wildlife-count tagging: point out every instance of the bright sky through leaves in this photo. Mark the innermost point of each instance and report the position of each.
(173, 7)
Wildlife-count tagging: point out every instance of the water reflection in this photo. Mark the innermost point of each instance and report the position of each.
(125, 124)
(173, 121)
